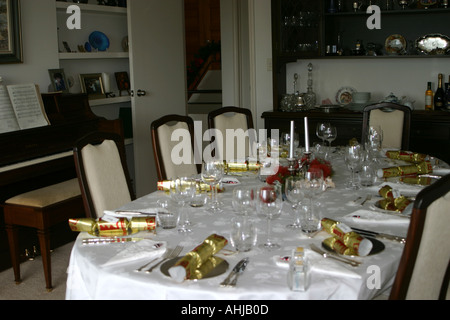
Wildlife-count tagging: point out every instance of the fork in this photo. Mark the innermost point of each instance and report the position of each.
(174, 253)
(164, 256)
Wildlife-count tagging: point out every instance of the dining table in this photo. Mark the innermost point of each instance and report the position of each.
(107, 270)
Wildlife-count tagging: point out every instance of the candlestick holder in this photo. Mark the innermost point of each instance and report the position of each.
(292, 166)
(304, 161)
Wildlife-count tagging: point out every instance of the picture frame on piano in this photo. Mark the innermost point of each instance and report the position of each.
(92, 84)
(58, 80)
(10, 32)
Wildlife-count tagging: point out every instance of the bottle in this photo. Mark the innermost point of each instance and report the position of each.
(447, 95)
(439, 95)
(429, 98)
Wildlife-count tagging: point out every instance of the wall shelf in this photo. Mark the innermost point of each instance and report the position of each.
(93, 55)
(62, 6)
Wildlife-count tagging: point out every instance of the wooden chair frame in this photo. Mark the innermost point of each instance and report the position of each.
(388, 105)
(160, 167)
(94, 139)
(405, 270)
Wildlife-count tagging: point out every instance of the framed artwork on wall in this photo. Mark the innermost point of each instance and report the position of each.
(10, 32)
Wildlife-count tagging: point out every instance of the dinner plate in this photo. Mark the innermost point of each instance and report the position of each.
(217, 271)
(377, 247)
(395, 44)
(345, 95)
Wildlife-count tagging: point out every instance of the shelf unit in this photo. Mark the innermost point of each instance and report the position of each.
(290, 32)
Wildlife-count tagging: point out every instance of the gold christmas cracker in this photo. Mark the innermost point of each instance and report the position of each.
(193, 261)
(116, 228)
(338, 246)
(406, 156)
(392, 202)
(420, 168)
(352, 240)
(200, 186)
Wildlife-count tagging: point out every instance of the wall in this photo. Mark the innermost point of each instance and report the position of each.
(40, 51)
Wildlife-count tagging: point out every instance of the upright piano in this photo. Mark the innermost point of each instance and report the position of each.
(38, 157)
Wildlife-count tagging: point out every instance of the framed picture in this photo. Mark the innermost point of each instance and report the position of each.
(92, 84)
(123, 82)
(10, 32)
(58, 80)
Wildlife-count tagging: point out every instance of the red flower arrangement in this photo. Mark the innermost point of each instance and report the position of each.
(283, 172)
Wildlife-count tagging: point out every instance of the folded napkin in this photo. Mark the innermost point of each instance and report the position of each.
(407, 190)
(144, 249)
(368, 216)
(132, 213)
(318, 264)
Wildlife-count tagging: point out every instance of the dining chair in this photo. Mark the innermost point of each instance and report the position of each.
(231, 118)
(162, 129)
(424, 268)
(102, 171)
(395, 121)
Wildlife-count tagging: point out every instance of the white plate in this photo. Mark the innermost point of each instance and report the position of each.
(345, 95)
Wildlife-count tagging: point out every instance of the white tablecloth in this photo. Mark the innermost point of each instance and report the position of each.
(263, 279)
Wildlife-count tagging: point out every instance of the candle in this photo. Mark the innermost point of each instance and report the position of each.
(306, 135)
(291, 138)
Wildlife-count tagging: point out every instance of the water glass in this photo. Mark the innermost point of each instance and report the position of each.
(312, 185)
(243, 234)
(167, 217)
(244, 201)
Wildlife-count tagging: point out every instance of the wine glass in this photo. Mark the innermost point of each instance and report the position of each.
(353, 158)
(212, 174)
(269, 205)
(244, 201)
(182, 191)
(294, 195)
(330, 134)
(311, 185)
(320, 129)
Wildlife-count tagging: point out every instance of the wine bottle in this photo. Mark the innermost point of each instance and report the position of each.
(429, 97)
(447, 95)
(439, 95)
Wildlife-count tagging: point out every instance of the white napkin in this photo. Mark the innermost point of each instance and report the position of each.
(230, 181)
(406, 190)
(368, 216)
(441, 171)
(132, 213)
(144, 249)
(319, 264)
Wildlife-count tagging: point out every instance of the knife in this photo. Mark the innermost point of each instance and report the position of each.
(379, 235)
(238, 269)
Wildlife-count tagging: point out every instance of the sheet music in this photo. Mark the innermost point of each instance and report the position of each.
(27, 106)
(8, 121)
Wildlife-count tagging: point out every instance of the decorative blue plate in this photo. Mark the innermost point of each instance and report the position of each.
(99, 41)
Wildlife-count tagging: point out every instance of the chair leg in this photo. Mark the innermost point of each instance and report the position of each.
(44, 242)
(13, 239)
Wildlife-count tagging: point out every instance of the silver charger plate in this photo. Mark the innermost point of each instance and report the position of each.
(217, 271)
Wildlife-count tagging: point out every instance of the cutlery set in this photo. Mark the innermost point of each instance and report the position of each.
(231, 280)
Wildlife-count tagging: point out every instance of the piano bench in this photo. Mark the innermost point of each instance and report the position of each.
(41, 209)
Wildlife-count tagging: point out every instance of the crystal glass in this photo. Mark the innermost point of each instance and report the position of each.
(243, 233)
(311, 185)
(353, 157)
(212, 174)
(295, 196)
(330, 134)
(182, 191)
(269, 206)
(320, 130)
(244, 201)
